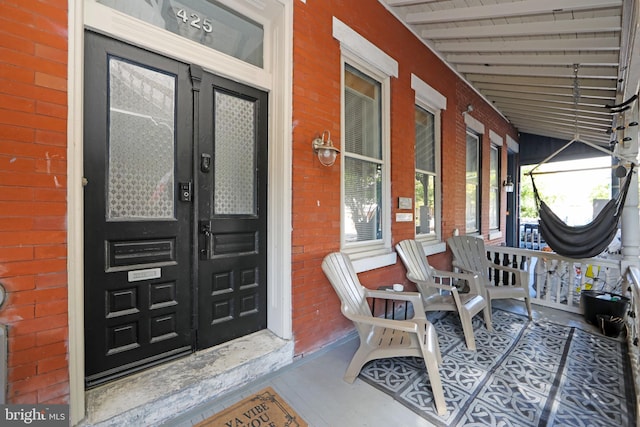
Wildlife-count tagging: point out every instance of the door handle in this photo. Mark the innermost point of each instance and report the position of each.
(205, 229)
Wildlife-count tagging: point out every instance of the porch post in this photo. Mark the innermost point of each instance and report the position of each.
(630, 231)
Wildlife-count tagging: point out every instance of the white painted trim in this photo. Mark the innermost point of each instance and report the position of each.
(279, 206)
(278, 53)
(374, 261)
(473, 124)
(360, 52)
(364, 49)
(143, 34)
(432, 249)
(428, 95)
(512, 145)
(495, 138)
(433, 101)
(495, 235)
(368, 249)
(75, 211)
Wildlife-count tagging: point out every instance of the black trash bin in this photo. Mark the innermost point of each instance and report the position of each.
(592, 306)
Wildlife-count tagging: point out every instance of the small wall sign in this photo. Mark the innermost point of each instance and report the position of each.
(404, 217)
(404, 202)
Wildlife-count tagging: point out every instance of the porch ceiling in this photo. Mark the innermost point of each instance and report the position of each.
(522, 56)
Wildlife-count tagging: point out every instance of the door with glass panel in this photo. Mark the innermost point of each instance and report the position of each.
(232, 201)
(175, 193)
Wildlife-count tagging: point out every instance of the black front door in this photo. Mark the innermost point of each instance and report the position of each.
(175, 198)
(232, 210)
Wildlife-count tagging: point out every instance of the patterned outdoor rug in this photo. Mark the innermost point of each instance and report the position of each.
(523, 374)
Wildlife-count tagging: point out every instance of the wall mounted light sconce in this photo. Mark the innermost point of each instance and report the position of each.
(325, 150)
(468, 110)
(508, 185)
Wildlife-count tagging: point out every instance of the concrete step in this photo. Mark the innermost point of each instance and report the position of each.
(163, 392)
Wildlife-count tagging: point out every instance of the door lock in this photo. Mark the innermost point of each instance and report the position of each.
(205, 162)
(185, 189)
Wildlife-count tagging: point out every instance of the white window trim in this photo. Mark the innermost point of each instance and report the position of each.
(473, 124)
(433, 101)
(498, 141)
(428, 95)
(471, 131)
(367, 52)
(365, 56)
(497, 147)
(512, 145)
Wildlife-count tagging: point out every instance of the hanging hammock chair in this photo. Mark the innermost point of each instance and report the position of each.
(582, 241)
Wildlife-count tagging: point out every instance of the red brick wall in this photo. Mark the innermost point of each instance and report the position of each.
(316, 189)
(33, 192)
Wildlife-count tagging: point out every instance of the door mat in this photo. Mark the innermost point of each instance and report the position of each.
(524, 373)
(263, 409)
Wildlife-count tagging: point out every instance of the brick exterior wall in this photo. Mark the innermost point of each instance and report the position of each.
(316, 189)
(33, 195)
(33, 187)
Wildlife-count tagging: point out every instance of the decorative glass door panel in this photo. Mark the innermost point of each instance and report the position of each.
(141, 142)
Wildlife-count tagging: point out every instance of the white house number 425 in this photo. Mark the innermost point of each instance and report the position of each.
(195, 21)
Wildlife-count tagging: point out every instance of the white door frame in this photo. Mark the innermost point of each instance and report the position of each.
(275, 78)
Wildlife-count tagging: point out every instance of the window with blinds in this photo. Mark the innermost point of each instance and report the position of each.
(363, 158)
(425, 187)
(472, 206)
(494, 188)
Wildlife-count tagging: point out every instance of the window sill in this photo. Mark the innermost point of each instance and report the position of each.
(371, 261)
(432, 248)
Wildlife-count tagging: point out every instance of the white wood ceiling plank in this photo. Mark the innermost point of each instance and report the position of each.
(395, 3)
(496, 94)
(546, 114)
(514, 70)
(606, 24)
(548, 45)
(588, 59)
(599, 114)
(565, 134)
(526, 7)
(568, 122)
(606, 95)
(542, 81)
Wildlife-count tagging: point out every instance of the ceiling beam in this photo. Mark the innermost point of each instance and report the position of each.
(524, 29)
(569, 126)
(545, 45)
(550, 116)
(497, 94)
(605, 59)
(585, 124)
(505, 10)
(543, 81)
(564, 134)
(559, 128)
(599, 115)
(549, 71)
(608, 95)
(396, 3)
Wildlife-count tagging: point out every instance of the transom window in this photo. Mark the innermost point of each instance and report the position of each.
(207, 22)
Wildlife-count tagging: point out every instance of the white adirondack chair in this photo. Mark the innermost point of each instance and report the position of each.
(383, 338)
(424, 276)
(470, 255)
